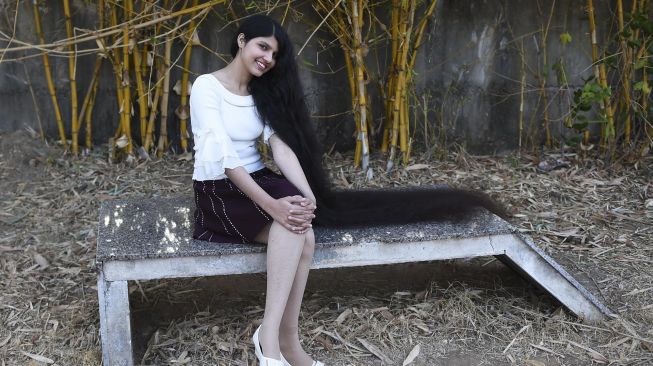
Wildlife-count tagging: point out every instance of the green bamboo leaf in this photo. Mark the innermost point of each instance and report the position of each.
(565, 38)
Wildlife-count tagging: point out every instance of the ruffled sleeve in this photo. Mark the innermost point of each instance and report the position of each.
(267, 133)
(214, 149)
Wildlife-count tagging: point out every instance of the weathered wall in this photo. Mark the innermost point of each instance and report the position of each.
(468, 70)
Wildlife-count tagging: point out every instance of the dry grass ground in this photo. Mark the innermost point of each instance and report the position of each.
(597, 220)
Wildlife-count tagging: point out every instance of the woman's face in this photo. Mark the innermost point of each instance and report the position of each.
(258, 54)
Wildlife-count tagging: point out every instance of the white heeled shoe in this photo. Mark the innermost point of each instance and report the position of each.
(286, 363)
(262, 360)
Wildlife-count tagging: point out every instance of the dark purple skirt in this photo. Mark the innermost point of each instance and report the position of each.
(224, 214)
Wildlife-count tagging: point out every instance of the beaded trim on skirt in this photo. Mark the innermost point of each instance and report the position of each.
(224, 214)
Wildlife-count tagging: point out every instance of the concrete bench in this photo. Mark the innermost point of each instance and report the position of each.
(147, 239)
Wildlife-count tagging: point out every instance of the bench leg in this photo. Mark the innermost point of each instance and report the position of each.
(115, 322)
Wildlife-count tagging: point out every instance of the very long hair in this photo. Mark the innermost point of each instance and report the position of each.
(280, 101)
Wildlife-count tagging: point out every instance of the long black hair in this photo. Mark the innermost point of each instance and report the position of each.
(279, 98)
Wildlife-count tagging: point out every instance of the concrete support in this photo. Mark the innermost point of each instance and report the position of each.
(115, 322)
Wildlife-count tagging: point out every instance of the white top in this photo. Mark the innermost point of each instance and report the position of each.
(225, 128)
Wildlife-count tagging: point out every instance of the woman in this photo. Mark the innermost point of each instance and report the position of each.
(239, 200)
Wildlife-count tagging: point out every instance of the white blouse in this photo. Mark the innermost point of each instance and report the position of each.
(225, 128)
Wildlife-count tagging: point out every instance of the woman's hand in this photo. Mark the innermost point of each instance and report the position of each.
(303, 213)
(295, 213)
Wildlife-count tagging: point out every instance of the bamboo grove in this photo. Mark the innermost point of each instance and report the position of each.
(137, 39)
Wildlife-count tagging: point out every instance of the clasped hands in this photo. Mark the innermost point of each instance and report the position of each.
(295, 213)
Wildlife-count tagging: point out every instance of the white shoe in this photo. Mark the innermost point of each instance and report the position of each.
(262, 360)
(286, 363)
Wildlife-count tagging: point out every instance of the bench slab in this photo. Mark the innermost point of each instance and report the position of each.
(150, 238)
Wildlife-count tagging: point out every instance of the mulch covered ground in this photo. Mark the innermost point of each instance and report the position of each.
(595, 219)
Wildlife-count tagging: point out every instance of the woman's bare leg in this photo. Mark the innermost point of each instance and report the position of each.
(289, 330)
(284, 252)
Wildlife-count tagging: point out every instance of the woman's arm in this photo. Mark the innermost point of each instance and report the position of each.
(287, 162)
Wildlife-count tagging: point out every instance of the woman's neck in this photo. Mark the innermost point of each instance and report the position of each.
(236, 77)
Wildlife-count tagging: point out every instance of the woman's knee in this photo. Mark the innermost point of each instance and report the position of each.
(309, 244)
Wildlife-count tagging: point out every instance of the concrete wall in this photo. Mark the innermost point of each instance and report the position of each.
(468, 70)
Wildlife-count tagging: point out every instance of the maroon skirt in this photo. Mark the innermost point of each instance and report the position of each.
(224, 214)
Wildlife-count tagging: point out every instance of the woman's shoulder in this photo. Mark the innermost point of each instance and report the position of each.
(206, 86)
(206, 81)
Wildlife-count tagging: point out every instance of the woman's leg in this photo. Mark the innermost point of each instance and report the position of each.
(284, 252)
(289, 330)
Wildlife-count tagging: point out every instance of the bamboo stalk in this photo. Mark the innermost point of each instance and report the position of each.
(48, 77)
(545, 96)
(163, 129)
(89, 114)
(140, 90)
(394, 34)
(149, 134)
(595, 53)
(404, 121)
(396, 91)
(70, 41)
(73, 84)
(356, 9)
(644, 52)
(626, 72)
(92, 85)
(183, 107)
(126, 93)
(522, 72)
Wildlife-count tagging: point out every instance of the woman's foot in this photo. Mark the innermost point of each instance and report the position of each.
(265, 348)
(292, 350)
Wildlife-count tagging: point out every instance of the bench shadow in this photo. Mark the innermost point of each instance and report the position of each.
(156, 304)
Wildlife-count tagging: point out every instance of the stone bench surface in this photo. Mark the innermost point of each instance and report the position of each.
(161, 227)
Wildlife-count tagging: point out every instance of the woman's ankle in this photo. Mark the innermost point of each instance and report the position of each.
(269, 339)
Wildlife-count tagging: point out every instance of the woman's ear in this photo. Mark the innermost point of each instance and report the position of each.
(241, 40)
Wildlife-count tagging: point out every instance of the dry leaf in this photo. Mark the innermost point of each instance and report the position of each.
(416, 167)
(122, 141)
(196, 39)
(376, 351)
(412, 355)
(177, 87)
(41, 261)
(37, 357)
(534, 363)
(341, 318)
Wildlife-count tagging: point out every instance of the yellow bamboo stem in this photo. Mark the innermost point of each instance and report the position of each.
(116, 31)
(625, 76)
(420, 32)
(48, 76)
(163, 131)
(89, 114)
(91, 86)
(73, 84)
(644, 54)
(394, 35)
(595, 52)
(126, 92)
(149, 135)
(183, 107)
(607, 133)
(404, 125)
(522, 71)
(140, 90)
(356, 9)
(545, 96)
